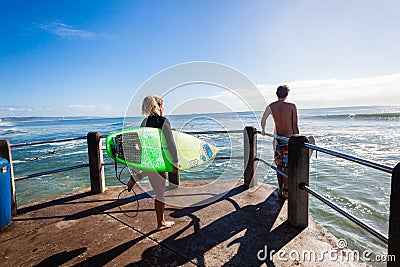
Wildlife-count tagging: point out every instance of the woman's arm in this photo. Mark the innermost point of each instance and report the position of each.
(167, 131)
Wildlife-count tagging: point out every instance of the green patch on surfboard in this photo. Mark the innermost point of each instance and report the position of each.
(145, 148)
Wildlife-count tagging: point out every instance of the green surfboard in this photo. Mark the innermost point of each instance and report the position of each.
(145, 148)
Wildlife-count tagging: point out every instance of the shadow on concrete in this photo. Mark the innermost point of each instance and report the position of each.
(59, 201)
(60, 258)
(253, 222)
(104, 258)
(247, 233)
(208, 202)
(82, 214)
(109, 206)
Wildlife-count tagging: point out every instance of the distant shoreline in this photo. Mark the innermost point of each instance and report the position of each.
(330, 113)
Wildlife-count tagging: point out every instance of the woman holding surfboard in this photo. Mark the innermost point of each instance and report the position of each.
(153, 110)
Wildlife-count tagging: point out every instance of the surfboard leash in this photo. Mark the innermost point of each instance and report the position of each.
(137, 206)
(118, 176)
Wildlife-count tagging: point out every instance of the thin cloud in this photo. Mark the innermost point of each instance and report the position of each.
(378, 90)
(69, 32)
(59, 111)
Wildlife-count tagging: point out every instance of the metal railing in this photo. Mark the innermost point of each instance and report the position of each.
(68, 168)
(338, 154)
(364, 162)
(326, 201)
(38, 174)
(298, 174)
(346, 214)
(48, 142)
(272, 167)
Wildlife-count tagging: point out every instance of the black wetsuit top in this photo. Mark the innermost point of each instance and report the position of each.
(156, 121)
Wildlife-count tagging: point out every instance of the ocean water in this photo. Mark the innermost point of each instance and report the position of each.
(370, 133)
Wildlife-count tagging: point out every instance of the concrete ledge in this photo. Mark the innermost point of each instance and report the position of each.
(232, 229)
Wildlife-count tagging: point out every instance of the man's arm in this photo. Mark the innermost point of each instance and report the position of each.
(295, 125)
(265, 116)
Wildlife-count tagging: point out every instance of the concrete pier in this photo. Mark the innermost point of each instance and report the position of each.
(238, 228)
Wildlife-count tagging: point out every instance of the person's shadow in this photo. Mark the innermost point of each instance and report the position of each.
(258, 240)
(257, 243)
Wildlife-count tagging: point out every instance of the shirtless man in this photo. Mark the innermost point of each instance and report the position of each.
(286, 124)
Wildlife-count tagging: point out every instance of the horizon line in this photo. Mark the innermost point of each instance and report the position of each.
(166, 115)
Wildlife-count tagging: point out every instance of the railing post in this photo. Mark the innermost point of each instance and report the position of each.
(97, 181)
(394, 218)
(250, 153)
(299, 173)
(5, 152)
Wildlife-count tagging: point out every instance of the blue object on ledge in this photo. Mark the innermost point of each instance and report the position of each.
(5, 193)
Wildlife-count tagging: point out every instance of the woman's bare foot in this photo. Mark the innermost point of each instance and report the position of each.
(165, 225)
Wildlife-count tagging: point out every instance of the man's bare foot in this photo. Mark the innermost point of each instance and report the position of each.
(165, 225)
(285, 193)
(280, 192)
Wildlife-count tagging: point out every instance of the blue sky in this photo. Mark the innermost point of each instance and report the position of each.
(90, 57)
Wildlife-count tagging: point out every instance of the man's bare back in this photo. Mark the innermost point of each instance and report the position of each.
(285, 118)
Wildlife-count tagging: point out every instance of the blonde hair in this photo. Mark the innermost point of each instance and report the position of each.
(150, 105)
